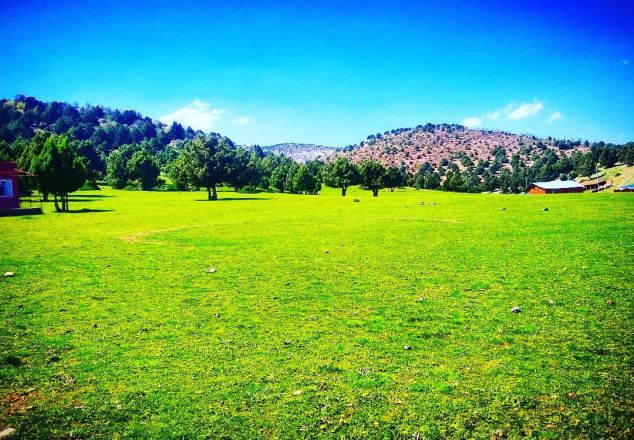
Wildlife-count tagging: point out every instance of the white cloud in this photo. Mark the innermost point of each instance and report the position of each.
(624, 62)
(197, 114)
(525, 110)
(554, 117)
(495, 114)
(472, 122)
(242, 120)
(511, 112)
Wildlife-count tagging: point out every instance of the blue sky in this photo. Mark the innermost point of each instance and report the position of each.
(332, 72)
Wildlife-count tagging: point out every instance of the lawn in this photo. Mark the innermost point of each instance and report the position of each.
(114, 327)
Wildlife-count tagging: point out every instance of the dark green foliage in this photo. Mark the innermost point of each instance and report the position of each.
(59, 169)
(305, 182)
(245, 169)
(466, 161)
(106, 129)
(281, 177)
(341, 173)
(372, 176)
(144, 167)
(207, 161)
(608, 157)
(626, 154)
(394, 177)
(118, 170)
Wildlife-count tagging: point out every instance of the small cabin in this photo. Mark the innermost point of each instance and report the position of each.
(625, 188)
(10, 177)
(9, 186)
(556, 187)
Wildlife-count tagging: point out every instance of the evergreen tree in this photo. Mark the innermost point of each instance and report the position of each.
(143, 166)
(341, 173)
(372, 175)
(304, 181)
(59, 169)
(206, 161)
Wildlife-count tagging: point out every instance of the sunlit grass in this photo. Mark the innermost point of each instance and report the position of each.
(112, 325)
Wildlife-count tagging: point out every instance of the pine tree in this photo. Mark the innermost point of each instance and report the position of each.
(59, 169)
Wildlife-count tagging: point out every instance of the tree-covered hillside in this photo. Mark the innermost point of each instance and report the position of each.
(412, 147)
(102, 128)
(455, 158)
(126, 149)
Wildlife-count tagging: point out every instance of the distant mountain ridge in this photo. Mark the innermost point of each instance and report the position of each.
(433, 143)
(301, 152)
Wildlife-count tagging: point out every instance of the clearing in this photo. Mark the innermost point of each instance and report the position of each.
(113, 327)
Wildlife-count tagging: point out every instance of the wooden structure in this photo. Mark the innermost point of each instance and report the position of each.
(9, 186)
(10, 191)
(625, 188)
(556, 187)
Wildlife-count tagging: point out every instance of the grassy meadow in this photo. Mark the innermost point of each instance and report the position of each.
(113, 326)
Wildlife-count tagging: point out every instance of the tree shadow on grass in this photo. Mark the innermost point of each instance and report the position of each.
(94, 196)
(233, 199)
(74, 199)
(86, 210)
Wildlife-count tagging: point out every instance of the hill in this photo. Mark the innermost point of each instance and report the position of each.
(432, 143)
(301, 152)
(101, 127)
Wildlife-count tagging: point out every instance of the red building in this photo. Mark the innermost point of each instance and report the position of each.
(9, 186)
(556, 187)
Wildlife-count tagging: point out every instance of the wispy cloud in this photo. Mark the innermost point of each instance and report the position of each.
(472, 122)
(554, 117)
(511, 112)
(242, 120)
(624, 62)
(198, 115)
(524, 111)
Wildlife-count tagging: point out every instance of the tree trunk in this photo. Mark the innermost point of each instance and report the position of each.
(65, 204)
(45, 197)
(375, 192)
(209, 193)
(343, 191)
(391, 189)
(56, 205)
(214, 194)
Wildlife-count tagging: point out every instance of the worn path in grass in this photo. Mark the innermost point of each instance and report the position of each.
(112, 327)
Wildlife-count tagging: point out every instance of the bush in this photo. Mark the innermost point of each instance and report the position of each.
(248, 189)
(90, 185)
(132, 186)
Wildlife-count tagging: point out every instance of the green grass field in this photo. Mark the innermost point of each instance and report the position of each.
(112, 327)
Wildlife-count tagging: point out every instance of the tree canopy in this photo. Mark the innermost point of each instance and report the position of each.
(372, 176)
(59, 169)
(341, 173)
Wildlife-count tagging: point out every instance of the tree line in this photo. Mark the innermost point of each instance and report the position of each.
(68, 147)
(514, 175)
